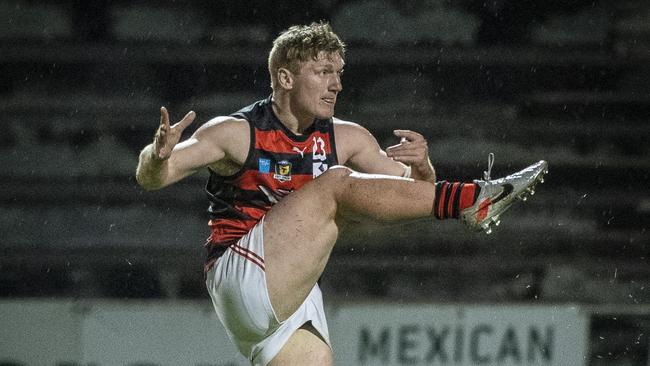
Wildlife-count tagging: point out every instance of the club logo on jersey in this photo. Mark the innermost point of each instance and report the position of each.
(319, 157)
(264, 165)
(282, 171)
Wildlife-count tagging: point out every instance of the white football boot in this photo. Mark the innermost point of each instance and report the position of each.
(498, 195)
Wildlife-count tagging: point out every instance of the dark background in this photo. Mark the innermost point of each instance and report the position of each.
(566, 81)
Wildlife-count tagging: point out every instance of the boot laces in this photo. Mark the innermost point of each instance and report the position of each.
(486, 173)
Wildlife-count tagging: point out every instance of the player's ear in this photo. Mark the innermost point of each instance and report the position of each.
(285, 78)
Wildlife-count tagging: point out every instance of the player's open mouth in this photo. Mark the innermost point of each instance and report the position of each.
(329, 100)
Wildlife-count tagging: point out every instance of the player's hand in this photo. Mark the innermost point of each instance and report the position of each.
(413, 151)
(167, 136)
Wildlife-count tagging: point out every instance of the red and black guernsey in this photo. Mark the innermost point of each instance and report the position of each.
(278, 163)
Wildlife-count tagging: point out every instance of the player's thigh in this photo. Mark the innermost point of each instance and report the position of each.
(304, 348)
(299, 233)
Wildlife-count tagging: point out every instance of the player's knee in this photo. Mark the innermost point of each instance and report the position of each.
(334, 181)
(336, 173)
(334, 178)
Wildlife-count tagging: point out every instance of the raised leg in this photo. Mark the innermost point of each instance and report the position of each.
(300, 231)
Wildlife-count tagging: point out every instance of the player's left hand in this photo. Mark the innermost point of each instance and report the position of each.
(413, 151)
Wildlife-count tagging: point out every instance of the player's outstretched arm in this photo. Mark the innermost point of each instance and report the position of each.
(167, 160)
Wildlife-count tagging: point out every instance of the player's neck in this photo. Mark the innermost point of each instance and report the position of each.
(288, 117)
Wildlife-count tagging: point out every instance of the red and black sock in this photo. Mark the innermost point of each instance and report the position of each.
(452, 198)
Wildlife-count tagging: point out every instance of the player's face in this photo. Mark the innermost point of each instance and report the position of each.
(317, 85)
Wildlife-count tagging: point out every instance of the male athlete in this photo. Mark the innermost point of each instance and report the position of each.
(280, 193)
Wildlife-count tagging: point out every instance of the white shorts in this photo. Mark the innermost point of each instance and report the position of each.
(237, 285)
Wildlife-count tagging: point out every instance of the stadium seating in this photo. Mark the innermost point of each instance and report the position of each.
(432, 22)
(77, 112)
(155, 23)
(28, 20)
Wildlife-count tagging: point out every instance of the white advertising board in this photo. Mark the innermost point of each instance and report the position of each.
(158, 333)
(459, 335)
(104, 333)
(39, 333)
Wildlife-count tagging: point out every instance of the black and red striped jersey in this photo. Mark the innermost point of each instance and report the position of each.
(278, 163)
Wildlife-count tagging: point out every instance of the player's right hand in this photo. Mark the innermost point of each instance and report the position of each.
(168, 136)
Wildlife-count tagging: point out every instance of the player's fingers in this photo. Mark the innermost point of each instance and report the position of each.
(417, 148)
(398, 150)
(408, 135)
(158, 144)
(186, 121)
(158, 137)
(405, 144)
(411, 153)
(164, 118)
(393, 148)
(395, 152)
(161, 135)
(414, 156)
(408, 160)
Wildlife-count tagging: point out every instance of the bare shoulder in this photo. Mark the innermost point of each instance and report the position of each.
(221, 125)
(350, 130)
(228, 138)
(347, 126)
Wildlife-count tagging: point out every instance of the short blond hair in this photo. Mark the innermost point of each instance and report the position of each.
(300, 43)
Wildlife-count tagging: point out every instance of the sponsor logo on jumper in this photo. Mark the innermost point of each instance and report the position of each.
(302, 152)
(264, 165)
(319, 157)
(282, 171)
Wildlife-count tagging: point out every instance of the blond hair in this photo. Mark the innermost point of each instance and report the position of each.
(300, 43)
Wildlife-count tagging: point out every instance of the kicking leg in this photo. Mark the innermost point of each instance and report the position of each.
(300, 231)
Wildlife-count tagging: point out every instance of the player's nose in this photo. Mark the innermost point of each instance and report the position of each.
(336, 84)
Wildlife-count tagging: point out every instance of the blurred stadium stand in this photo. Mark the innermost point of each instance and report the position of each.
(79, 98)
(564, 81)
